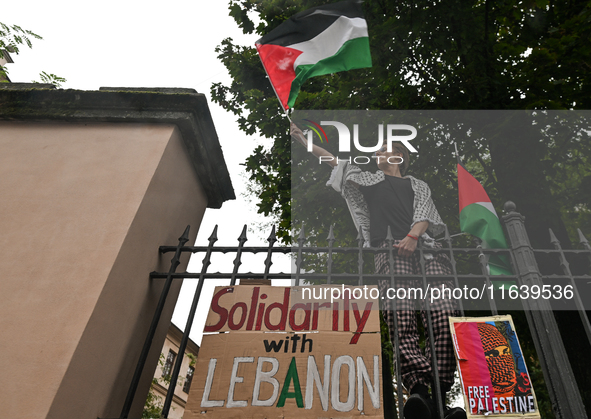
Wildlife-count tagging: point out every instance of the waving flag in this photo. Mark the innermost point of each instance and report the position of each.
(479, 218)
(317, 41)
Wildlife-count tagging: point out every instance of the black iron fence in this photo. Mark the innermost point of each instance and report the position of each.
(562, 388)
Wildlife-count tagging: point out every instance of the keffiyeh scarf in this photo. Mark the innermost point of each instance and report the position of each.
(423, 208)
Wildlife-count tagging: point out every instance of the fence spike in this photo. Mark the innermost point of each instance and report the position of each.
(242, 237)
(553, 238)
(185, 236)
(214, 235)
(330, 237)
(302, 235)
(389, 237)
(582, 239)
(268, 262)
(238, 259)
(272, 237)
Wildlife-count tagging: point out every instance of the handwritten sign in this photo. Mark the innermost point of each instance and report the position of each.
(495, 380)
(285, 354)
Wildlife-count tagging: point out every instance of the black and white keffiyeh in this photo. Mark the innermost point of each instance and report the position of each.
(423, 208)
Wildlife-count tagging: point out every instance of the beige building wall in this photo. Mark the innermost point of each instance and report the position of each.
(84, 207)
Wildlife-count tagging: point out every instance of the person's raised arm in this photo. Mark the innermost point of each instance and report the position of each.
(299, 136)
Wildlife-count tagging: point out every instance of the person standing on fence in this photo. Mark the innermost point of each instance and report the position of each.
(403, 203)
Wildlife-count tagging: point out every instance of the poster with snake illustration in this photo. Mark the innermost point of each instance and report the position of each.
(492, 369)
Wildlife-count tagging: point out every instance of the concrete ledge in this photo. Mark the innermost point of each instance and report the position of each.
(24, 86)
(185, 108)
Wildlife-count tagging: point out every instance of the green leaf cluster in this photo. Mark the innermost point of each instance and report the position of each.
(51, 79)
(12, 38)
(154, 403)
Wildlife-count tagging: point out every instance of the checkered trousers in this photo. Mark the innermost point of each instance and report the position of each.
(415, 365)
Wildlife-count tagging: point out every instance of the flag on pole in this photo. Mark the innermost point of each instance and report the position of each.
(321, 40)
(479, 218)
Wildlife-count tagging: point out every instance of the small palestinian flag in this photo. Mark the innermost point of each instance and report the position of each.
(479, 218)
(317, 41)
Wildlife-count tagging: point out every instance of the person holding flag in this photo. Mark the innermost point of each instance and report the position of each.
(389, 200)
(332, 38)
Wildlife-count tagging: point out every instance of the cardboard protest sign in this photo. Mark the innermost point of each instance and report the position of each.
(309, 308)
(303, 359)
(495, 380)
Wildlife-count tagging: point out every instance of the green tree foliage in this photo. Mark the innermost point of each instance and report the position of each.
(438, 55)
(51, 79)
(154, 402)
(12, 39)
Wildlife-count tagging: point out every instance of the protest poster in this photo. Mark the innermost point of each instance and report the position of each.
(495, 380)
(287, 352)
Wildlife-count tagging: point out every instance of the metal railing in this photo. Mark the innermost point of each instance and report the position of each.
(562, 388)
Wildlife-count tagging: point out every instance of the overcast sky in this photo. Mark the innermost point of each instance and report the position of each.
(133, 43)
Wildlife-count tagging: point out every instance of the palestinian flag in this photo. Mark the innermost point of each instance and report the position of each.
(317, 41)
(479, 218)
